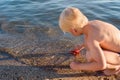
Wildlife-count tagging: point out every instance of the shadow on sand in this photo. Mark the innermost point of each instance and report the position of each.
(50, 72)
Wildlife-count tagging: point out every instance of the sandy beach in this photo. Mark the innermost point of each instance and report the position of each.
(13, 69)
(18, 71)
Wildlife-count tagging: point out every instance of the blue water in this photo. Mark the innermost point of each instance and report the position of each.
(46, 12)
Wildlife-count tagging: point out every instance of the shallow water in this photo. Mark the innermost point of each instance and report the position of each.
(31, 26)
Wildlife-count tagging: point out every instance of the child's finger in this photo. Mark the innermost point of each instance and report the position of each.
(75, 52)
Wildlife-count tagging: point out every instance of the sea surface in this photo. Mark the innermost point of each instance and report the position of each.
(19, 16)
(46, 12)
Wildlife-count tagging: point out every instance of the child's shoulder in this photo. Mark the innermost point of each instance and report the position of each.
(96, 21)
(99, 23)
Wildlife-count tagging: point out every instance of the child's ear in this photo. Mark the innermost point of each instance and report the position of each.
(75, 30)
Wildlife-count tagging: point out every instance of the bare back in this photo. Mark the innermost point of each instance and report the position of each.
(107, 35)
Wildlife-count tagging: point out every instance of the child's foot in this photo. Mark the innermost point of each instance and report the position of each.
(74, 65)
(111, 72)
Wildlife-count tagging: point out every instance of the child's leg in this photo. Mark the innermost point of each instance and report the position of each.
(111, 58)
(113, 63)
(112, 71)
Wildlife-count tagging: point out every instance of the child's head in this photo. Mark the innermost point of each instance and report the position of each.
(72, 18)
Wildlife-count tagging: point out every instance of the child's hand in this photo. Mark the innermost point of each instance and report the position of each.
(75, 52)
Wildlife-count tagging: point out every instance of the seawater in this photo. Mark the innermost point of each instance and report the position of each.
(46, 12)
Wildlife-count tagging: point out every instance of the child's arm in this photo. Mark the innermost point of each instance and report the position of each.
(77, 49)
(80, 47)
(98, 63)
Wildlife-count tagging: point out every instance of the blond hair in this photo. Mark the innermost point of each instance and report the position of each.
(72, 17)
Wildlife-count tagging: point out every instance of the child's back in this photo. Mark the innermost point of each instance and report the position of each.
(107, 34)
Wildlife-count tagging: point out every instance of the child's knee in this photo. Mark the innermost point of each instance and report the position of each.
(88, 56)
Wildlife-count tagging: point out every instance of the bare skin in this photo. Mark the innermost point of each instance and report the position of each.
(102, 41)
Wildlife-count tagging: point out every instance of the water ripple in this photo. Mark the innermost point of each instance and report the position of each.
(47, 11)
